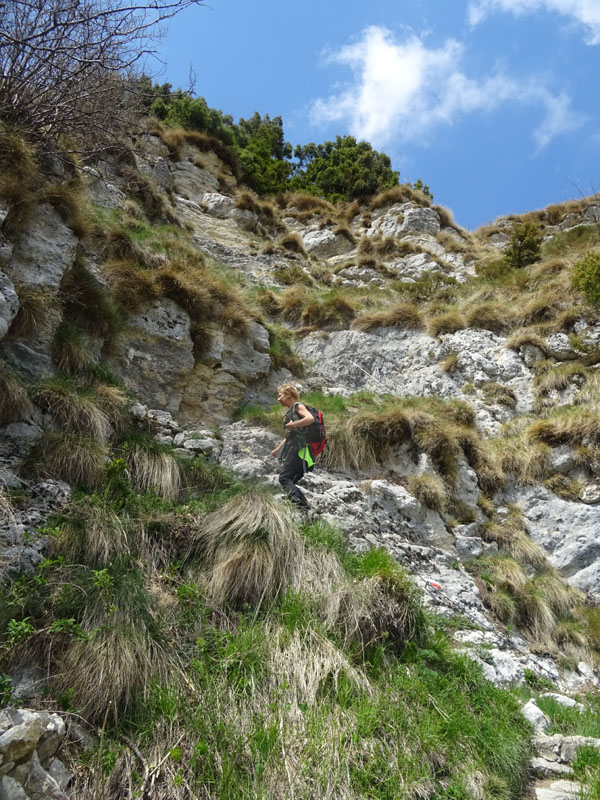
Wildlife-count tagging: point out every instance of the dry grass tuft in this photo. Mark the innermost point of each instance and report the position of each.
(87, 304)
(74, 411)
(524, 550)
(130, 286)
(291, 303)
(526, 336)
(357, 443)
(344, 230)
(93, 534)
(365, 246)
(14, 400)
(71, 350)
(578, 427)
(266, 212)
(399, 194)
(429, 490)
(176, 138)
(292, 275)
(38, 312)
(387, 246)
(151, 470)
(67, 199)
(450, 362)
(528, 461)
(118, 665)
(437, 440)
(305, 202)
(376, 609)
(251, 550)
(499, 393)
(154, 202)
(550, 378)
(402, 315)
(448, 322)
(120, 246)
(367, 261)
(68, 457)
(489, 316)
(114, 403)
(20, 179)
(292, 243)
(490, 473)
(334, 311)
(536, 611)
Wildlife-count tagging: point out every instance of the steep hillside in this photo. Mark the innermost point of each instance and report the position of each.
(170, 622)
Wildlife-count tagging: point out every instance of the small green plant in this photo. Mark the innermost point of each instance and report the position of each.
(6, 695)
(586, 277)
(68, 627)
(18, 630)
(537, 682)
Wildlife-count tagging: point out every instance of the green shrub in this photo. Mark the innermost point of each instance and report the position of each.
(586, 277)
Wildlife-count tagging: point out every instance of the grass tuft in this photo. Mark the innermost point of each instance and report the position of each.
(402, 315)
(292, 242)
(429, 490)
(14, 400)
(68, 457)
(448, 322)
(251, 550)
(151, 468)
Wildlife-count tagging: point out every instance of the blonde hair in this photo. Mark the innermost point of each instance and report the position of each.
(289, 388)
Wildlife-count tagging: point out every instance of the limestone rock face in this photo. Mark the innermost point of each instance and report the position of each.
(9, 303)
(154, 355)
(218, 205)
(568, 532)
(409, 362)
(325, 243)
(40, 258)
(421, 219)
(44, 252)
(191, 181)
(216, 386)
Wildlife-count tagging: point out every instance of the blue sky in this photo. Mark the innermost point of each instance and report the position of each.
(493, 103)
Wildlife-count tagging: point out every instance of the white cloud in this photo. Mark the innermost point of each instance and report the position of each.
(402, 90)
(585, 12)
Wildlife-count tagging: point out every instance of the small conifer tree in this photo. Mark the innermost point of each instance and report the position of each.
(524, 246)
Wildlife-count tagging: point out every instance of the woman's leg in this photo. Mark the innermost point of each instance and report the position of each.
(291, 472)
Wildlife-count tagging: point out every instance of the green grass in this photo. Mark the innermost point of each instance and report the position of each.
(572, 720)
(267, 700)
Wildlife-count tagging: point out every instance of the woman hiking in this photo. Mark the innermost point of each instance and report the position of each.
(293, 450)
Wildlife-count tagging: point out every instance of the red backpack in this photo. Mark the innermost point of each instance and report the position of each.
(315, 432)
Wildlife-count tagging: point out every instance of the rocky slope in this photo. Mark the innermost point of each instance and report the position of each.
(221, 296)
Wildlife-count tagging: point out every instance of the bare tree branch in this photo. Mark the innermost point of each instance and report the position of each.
(69, 68)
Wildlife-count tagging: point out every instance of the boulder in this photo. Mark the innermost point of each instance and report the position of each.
(19, 741)
(534, 714)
